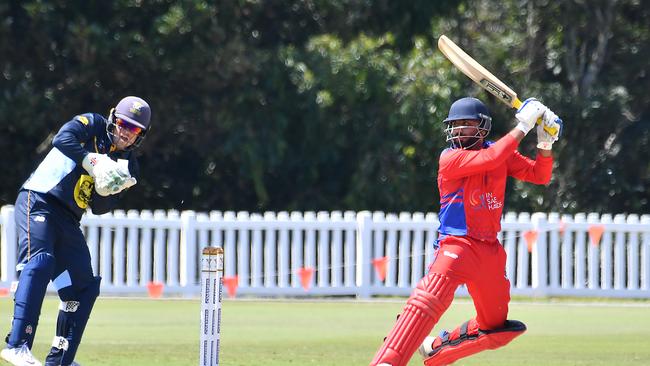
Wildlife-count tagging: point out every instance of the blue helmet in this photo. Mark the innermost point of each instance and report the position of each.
(467, 109)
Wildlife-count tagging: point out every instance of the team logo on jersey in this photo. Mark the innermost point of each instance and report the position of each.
(136, 108)
(83, 190)
(29, 329)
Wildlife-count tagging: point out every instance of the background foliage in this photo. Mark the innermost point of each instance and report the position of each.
(324, 105)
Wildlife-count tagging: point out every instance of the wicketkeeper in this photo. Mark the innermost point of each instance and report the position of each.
(472, 179)
(90, 165)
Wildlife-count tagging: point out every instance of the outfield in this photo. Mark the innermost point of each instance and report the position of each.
(141, 332)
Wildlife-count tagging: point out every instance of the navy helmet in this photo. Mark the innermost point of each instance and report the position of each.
(467, 109)
(134, 111)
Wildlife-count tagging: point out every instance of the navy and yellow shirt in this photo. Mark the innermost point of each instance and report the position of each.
(61, 175)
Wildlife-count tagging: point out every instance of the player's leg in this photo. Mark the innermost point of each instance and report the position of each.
(427, 303)
(467, 340)
(490, 292)
(36, 235)
(77, 289)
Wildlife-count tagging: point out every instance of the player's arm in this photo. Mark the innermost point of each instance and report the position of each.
(460, 163)
(457, 163)
(72, 135)
(101, 204)
(536, 171)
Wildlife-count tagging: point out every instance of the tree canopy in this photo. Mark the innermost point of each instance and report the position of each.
(329, 105)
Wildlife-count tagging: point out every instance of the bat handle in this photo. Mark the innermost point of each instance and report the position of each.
(551, 130)
(516, 104)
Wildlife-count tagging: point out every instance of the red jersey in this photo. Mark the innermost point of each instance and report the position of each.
(472, 185)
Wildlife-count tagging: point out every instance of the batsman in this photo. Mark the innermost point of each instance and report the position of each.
(91, 163)
(472, 180)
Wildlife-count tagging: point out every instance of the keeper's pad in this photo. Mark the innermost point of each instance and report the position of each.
(71, 323)
(468, 339)
(28, 299)
(427, 303)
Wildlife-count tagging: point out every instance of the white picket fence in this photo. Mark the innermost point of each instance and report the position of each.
(266, 252)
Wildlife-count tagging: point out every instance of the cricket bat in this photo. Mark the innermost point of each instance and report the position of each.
(473, 70)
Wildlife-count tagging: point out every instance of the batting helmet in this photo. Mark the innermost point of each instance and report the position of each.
(134, 111)
(467, 109)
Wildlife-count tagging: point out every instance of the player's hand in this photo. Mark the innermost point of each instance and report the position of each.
(528, 114)
(118, 186)
(544, 139)
(94, 163)
(113, 179)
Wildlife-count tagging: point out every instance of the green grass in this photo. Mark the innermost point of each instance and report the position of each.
(138, 332)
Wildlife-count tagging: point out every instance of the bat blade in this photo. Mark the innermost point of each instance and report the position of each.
(475, 71)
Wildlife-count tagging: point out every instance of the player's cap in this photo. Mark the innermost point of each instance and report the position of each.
(134, 110)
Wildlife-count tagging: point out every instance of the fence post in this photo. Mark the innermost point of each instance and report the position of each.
(645, 254)
(554, 230)
(632, 264)
(188, 249)
(106, 250)
(9, 245)
(593, 255)
(132, 248)
(606, 255)
(364, 225)
(619, 252)
(539, 256)
(523, 264)
(119, 249)
(172, 247)
(580, 254)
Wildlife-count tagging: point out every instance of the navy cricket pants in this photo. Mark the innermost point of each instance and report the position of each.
(52, 247)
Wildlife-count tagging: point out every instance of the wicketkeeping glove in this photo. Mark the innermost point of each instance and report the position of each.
(528, 114)
(544, 139)
(95, 163)
(114, 179)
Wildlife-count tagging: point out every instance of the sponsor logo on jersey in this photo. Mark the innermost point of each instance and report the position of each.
(487, 200)
(83, 190)
(39, 218)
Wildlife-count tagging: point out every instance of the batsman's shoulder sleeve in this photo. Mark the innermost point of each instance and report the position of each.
(457, 163)
(74, 134)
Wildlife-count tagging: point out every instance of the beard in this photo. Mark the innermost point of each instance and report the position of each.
(465, 142)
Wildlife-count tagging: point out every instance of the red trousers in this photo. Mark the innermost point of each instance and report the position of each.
(480, 265)
(459, 260)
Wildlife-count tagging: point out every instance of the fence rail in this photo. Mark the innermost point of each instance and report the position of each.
(548, 254)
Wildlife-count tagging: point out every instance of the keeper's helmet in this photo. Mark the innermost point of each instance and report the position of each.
(467, 109)
(132, 113)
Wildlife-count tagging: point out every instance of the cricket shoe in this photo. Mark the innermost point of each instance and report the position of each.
(19, 356)
(427, 345)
